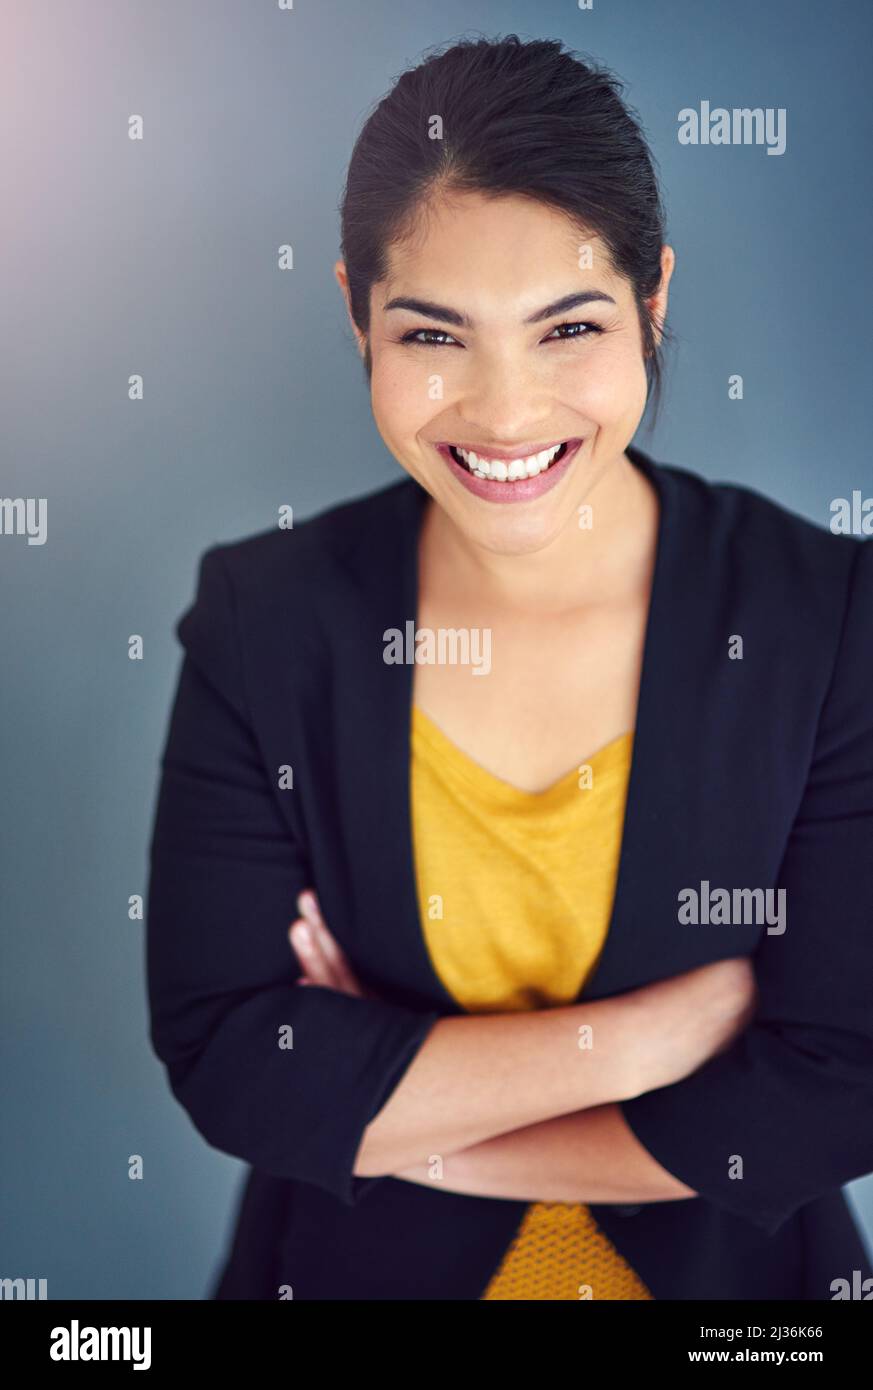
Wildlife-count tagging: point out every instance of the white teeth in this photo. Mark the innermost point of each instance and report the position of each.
(501, 471)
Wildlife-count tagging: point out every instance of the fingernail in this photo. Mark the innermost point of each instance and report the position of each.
(306, 903)
(303, 936)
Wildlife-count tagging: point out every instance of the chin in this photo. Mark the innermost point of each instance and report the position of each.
(514, 534)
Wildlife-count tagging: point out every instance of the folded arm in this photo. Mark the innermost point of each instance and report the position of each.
(591, 1156)
(470, 1070)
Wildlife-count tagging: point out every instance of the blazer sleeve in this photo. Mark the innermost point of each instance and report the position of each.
(224, 875)
(793, 1095)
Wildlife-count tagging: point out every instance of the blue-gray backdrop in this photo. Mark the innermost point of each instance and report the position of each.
(159, 257)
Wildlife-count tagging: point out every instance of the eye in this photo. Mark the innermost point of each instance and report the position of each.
(438, 337)
(590, 328)
(414, 338)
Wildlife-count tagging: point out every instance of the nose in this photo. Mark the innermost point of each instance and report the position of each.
(504, 403)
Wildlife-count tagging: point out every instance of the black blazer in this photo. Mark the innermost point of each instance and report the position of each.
(751, 773)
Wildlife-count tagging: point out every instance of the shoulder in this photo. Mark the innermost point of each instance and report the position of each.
(320, 545)
(320, 566)
(746, 519)
(282, 591)
(801, 597)
(737, 539)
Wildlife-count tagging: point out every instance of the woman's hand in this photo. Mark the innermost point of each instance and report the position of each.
(321, 960)
(683, 1021)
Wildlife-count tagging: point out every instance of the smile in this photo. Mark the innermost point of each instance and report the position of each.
(510, 477)
(508, 470)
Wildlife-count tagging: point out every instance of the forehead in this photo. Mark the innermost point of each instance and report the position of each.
(495, 256)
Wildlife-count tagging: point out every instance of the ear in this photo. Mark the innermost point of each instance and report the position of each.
(342, 280)
(658, 303)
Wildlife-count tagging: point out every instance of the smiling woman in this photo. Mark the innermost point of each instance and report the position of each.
(506, 245)
(511, 1039)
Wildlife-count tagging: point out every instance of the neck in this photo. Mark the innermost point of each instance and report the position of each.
(577, 568)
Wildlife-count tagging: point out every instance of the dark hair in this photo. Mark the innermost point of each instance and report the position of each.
(518, 118)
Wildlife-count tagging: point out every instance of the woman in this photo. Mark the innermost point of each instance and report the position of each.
(559, 763)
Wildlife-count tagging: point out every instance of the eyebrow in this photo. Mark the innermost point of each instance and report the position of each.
(429, 310)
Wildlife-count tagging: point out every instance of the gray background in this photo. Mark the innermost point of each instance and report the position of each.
(159, 257)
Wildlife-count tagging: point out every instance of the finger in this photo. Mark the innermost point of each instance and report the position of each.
(337, 962)
(308, 906)
(313, 963)
(327, 943)
(312, 959)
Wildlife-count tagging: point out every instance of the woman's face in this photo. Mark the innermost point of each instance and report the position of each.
(488, 359)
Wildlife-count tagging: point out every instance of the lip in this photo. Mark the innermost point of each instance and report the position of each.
(523, 489)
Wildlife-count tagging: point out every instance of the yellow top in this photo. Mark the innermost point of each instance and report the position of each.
(515, 893)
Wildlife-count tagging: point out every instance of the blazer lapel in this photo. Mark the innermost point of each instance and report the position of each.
(659, 813)
(690, 758)
(371, 726)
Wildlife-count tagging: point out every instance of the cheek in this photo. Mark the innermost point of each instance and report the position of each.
(400, 393)
(607, 384)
